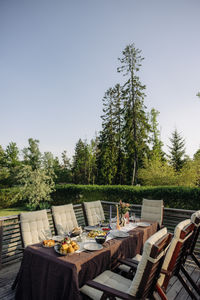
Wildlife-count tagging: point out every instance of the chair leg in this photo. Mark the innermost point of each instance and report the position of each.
(193, 284)
(195, 260)
(188, 289)
(15, 282)
(160, 292)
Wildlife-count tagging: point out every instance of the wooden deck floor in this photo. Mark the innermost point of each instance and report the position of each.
(175, 289)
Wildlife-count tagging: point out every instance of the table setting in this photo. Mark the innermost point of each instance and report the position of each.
(79, 257)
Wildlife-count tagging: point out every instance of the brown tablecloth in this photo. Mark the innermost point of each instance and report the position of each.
(44, 274)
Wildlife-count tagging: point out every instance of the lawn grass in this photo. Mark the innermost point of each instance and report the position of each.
(11, 211)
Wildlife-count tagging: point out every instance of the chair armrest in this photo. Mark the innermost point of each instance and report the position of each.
(109, 291)
(166, 272)
(129, 262)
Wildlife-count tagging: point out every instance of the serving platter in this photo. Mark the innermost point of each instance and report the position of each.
(89, 228)
(119, 234)
(57, 249)
(143, 224)
(57, 238)
(92, 246)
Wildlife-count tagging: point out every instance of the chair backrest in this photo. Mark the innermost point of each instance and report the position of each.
(149, 267)
(177, 252)
(152, 210)
(64, 218)
(94, 212)
(34, 227)
(195, 219)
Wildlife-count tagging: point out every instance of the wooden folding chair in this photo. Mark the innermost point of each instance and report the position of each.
(109, 285)
(175, 259)
(33, 228)
(195, 219)
(64, 218)
(94, 213)
(153, 210)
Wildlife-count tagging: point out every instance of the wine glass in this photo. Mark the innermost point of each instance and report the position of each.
(132, 217)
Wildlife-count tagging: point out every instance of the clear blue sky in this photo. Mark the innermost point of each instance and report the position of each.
(57, 59)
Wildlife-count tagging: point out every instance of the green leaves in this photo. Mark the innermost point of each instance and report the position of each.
(35, 187)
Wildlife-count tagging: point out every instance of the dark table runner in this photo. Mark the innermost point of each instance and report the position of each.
(44, 274)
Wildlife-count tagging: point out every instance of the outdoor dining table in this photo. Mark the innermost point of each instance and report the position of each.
(44, 274)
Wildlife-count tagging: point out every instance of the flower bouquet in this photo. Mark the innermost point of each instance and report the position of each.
(124, 212)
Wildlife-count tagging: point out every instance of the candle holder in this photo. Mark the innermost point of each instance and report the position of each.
(118, 226)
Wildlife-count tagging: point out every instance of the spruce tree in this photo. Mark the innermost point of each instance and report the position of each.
(155, 140)
(119, 136)
(177, 151)
(136, 122)
(80, 163)
(107, 158)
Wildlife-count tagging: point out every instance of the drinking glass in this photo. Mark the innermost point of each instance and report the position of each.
(83, 236)
(132, 217)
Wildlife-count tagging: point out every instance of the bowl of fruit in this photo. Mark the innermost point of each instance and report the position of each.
(66, 247)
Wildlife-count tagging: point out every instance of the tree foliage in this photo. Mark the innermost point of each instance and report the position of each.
(157, 172)
(35, 187)
(177, 151)
(136, 126)
(32, 154)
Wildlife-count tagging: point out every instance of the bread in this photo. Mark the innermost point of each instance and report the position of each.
(49, 243)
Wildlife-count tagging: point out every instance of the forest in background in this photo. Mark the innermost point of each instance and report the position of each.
(127, 150)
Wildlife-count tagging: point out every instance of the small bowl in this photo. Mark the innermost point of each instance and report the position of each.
(75, 233)
(100, 239)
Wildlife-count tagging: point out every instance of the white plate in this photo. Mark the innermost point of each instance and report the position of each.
(57, 238)
(120, 234)
(57, 249)
(143, 224)
(89, 228)
(92, 246)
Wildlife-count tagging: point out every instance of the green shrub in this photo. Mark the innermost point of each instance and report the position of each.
(173, 196)
(8, 197)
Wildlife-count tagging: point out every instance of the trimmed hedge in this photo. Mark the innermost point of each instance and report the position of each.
(7, 197)
(174, 197)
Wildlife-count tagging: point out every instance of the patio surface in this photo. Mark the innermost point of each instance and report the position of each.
(175, 290)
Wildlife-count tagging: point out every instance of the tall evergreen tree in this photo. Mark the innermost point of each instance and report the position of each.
(92, 161)
(155, 137)
(119, 136)
(107, 159)
(12, 162)
(65, 173)
(177, 150)
(80, 163)
(4, 171)
(136, 121)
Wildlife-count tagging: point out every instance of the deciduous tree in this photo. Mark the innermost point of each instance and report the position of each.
(32, 154)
